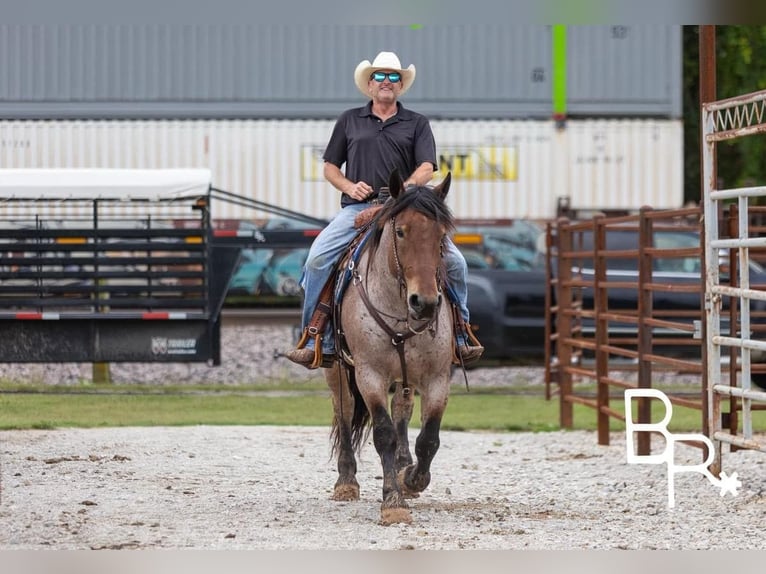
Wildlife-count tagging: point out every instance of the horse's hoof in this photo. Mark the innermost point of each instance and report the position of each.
(346, 492)
(406, 492)
(389, 516)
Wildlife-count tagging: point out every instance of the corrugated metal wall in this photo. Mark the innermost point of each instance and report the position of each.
(500, 168)
(252, 70)
(624, 70)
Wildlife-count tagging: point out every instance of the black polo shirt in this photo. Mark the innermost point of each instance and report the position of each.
(371, 149)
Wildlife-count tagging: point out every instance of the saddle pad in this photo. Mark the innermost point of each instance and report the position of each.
(350, 256)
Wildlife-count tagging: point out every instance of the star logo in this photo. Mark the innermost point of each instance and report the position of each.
(729, 483)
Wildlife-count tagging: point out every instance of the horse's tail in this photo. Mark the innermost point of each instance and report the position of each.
(360, 422)
(360, 419)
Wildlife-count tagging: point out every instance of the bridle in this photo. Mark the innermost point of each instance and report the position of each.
(397, 337)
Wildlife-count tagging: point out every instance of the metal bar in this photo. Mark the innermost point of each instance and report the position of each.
(732, 134)
(645, 306)
(739, 343)
(227, 196)
(551, 312)
(739, 441)
(735, 193)
(741, 393)
(600, 305)
(742, 241)
(564, 323)
(743, 276)
(733, 102)
(710, 326)
(570, 399)
(738, 292)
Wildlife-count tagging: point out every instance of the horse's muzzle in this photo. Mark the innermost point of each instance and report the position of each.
(423, 307)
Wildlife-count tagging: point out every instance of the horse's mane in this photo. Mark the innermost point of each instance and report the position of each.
(421, 199)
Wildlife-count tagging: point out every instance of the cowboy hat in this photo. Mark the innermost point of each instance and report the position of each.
(383, 61)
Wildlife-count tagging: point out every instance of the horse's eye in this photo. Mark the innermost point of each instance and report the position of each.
(400, 233)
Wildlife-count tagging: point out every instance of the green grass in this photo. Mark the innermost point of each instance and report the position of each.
(41, 407)
(92, 410)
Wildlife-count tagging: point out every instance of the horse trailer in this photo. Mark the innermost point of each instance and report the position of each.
(135, 272)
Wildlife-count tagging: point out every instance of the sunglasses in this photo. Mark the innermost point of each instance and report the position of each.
(393, 77)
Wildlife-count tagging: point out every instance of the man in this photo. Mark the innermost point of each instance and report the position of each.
(372, 141)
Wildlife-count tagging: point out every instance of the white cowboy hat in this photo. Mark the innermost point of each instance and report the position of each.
(383, 61)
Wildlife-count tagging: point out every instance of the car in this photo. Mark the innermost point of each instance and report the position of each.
(683, 272)
(248, 275)
(680, 303)
(507, 282)
(271, 273)
(506, 287)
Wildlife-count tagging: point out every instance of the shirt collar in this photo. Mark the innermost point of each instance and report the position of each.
(402, 113)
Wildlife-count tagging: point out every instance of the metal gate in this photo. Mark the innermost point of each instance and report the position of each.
(727, 120)
(135, 271)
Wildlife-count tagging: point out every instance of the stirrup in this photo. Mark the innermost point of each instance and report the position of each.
(318, 360)
(470, 351)
(468, 354)
(471, 339)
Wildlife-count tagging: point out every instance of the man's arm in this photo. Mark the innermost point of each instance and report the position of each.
(359, 191)
(422, 175)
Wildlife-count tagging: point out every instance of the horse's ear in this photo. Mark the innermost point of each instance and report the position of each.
(443, 188)
(395, 183)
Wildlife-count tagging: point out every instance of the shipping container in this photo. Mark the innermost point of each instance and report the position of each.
(255, 69)
(501, 169)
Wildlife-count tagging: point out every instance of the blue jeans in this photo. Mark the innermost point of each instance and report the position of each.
(327, 249)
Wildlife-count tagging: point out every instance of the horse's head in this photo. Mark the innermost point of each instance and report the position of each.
(419, 221)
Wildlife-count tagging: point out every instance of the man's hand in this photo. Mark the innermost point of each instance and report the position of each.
(359, 190)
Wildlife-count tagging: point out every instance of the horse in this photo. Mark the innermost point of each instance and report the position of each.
(397, 326)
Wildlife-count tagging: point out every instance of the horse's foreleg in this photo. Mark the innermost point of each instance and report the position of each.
(343, 403)
(401, 412)
(394, 508)
(415, 478)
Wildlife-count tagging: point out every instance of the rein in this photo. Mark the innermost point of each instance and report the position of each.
(397, 338)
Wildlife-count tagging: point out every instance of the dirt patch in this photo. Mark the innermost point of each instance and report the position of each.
(271, 488)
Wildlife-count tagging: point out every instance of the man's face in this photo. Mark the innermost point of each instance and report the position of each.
(385, 85)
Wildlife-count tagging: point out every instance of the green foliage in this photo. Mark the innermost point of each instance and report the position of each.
(739, 71)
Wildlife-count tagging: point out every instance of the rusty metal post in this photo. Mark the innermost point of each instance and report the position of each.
(101, 374)
(645, 331)
(564, 324)
(601, 309)
(552, 372)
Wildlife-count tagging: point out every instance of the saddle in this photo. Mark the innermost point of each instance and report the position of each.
(332, 294)
(331, 298)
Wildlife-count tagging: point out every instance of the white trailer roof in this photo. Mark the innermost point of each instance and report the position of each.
(103, 184)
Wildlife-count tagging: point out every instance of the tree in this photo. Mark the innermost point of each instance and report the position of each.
(738, 71)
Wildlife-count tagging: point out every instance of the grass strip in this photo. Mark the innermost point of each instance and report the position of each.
(491, 411)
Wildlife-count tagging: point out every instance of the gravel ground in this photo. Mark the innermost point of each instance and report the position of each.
(270, 487)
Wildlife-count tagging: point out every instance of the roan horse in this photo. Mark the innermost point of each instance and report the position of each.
(398, 328)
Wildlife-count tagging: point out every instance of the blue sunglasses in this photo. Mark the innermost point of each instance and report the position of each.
(393, 77)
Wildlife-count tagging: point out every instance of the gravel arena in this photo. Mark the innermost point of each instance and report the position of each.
(269, 488)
